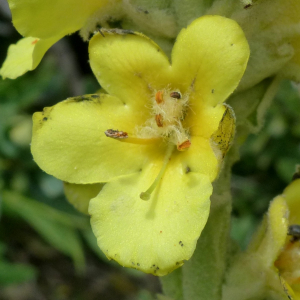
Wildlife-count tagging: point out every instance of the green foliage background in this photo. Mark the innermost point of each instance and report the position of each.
(47, 249)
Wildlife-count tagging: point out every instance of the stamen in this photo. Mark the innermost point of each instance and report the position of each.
(146, 195)
(159, 97)
(184, 146)
(176, 95)
(159, 120)
(122, 136)
(116, 134)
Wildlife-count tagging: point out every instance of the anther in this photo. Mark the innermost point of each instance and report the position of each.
(184, 145)
(176, 95)
(146, 195)
(159, 120)
(122, 136)
(116, 134)
(159, 97)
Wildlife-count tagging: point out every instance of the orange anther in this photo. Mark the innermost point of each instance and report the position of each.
(184, 146)
(34, 42)
(159, 97)
(159, 120)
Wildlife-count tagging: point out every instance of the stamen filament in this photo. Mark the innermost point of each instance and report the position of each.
(146, 195)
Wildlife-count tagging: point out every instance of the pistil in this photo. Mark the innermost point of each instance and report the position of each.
(146, 195)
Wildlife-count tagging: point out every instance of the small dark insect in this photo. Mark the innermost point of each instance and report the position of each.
(116, 134)
(247, 6)
(294, 231)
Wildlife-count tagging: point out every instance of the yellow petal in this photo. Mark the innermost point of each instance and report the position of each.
(25, 56)
(128, 65)
(210, 57)
(203, 120)
(158, 235)
(199, 158)
(276, 233)
(79, 195)
(292, 196)
(206, 154)
(69, 141)
(50, 18)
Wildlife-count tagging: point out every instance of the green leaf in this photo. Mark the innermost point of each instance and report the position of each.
(16, 273)
(172, 284)
(57, 228)
(144, 295)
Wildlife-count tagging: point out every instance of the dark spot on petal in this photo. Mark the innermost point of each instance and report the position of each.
(231, 44)
(138, 264)
(212, 91)
(187, 170)
(177, 263)
(45, 119)
(247, 6)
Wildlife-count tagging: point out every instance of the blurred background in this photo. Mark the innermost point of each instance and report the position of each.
(47, 249)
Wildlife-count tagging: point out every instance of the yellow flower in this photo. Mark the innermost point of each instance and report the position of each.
(271, 264)
(288, 261)
(157, 138)
(43, 23)
(253, 274)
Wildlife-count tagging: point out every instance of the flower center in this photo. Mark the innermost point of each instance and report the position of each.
(169, 109)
